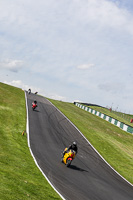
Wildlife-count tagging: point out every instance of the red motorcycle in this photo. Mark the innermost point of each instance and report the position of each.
(34, 105)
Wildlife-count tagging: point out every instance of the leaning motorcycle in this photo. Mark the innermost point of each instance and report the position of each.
(68, 157)
(34, 106)
(29, 91)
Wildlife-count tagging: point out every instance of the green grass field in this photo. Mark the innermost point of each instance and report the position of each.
(20, 178)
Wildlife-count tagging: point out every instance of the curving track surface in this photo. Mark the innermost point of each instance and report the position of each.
(89, 177)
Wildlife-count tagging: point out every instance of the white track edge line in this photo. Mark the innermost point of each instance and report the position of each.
(93, 146)
(27, 130)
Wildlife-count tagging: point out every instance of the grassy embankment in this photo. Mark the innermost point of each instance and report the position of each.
(122, 117)
(114, 144)
(19, 176)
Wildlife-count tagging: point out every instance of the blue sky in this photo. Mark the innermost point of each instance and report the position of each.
(69, 50)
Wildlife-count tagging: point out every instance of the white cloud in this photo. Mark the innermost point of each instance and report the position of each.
(56, 97)
(109, 14)
(12, 65)
(20, 84)
(79, 101)
(85, 66)
(55, 44)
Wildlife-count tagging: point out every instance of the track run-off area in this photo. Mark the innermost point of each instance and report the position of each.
(89, 177)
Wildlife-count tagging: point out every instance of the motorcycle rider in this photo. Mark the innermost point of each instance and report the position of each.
(29, 90)
(73, 146)
(35, 102)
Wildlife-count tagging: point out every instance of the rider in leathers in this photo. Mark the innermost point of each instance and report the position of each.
(73, 146)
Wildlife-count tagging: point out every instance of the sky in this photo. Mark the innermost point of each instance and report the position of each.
(70, 50)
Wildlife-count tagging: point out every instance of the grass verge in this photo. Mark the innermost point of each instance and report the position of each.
(20, 178)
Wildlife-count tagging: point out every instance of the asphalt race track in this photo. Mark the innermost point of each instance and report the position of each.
(89, 177)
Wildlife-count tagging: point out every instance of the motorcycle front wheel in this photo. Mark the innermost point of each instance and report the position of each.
(68, 163)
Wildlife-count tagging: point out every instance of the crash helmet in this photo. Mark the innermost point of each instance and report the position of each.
(74, 143)
(35, 101)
